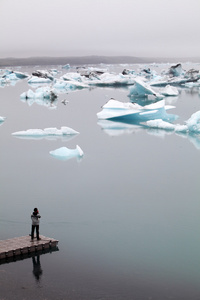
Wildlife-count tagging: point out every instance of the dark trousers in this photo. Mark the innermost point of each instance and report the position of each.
(37, 231)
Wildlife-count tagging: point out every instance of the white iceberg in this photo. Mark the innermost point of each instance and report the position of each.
(65, 153)
(4, 81)
(108, 79)
(181, 128)
(42, 92)
(129, 112)
(72, 77)
(12, 76)
(67, 86)
(160, 124)
(169, 91)
(47, 132)
(193, 123)
(36, 79)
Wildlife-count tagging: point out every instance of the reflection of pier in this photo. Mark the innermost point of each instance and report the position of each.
(22, 247)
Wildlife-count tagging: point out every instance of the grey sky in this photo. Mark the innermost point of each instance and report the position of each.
(99, 27)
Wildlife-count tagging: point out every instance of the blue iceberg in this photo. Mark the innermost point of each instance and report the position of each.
(132, 112)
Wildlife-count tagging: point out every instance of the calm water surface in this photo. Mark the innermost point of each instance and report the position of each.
(126, 215)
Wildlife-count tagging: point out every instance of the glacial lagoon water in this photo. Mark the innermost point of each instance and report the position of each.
(127, 215)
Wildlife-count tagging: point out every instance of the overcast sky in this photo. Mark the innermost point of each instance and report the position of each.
(150, 28)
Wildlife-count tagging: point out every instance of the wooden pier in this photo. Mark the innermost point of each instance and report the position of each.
(23, 245)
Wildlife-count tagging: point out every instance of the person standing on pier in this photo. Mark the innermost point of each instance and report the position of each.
(35, 217)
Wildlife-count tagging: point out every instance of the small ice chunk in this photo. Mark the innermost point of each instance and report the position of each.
(40, 93)
(176, 70)
(67, 130)
(36, 79)
(160, 124)
(169, 91)
(47, 132)
(20, 75)
(181, 128)
(65, 153)
(2, 119)
(193, 123)
(72, 77)
(67, 66)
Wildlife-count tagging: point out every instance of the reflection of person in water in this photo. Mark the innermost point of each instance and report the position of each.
(37, 270)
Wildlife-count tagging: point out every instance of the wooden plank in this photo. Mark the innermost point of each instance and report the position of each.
(23, 245)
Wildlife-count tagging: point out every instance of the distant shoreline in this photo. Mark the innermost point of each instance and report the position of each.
(82, 60)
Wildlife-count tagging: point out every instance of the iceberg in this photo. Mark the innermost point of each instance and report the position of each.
(20, 75)
(176, 70)
(43, 74)
(47, 132)
(41, 93)
(108, 79)
(193, 123)
(35, 79)
(12, 77)
(67, 86)
(72, 77)
(160, 124)
(4, 81)
(67, 66)
(2, 119)
(191, 126)
(65, 153)
(169, 91)
(143, 89)
(129, 112)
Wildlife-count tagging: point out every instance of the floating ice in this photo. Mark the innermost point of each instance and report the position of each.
(72, 77)
(35, 79)
(191, 126)
(160, 124)
(65, 153)
(192, 84)
(4, 81)
(169, 91)
(193, 123)
(20, 75)
(67, 86)
(47, 132)
(129, 112)
(108, 79)
(42, 92)
(43, 74)
(2, 119)
(176, 70)
(141, 88)
(67, 66)
(11, 77)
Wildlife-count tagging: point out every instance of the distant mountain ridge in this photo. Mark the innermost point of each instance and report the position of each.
(93, 59)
